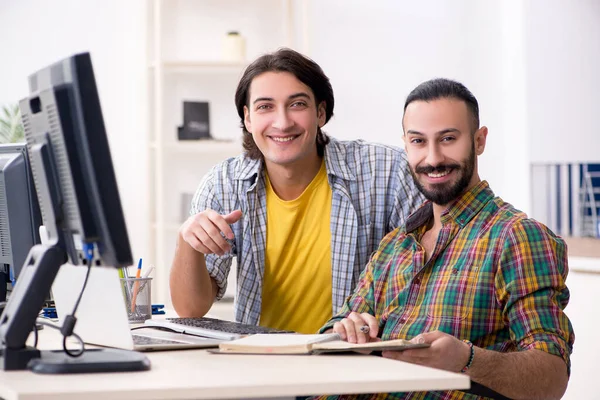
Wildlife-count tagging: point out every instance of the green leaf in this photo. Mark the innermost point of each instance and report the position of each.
(11, 127)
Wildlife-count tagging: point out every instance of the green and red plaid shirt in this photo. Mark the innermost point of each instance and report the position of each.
(495, 277)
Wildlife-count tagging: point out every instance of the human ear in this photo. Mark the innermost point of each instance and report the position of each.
(480, 140)
(321, 113)
(247, 122)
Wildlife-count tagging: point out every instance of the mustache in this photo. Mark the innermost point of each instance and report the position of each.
(428, 169)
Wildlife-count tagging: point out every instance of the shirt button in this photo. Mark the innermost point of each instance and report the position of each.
(416, 281)
(402, 320)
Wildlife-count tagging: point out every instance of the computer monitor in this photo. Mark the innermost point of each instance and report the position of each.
(20, 217)
(80, 206)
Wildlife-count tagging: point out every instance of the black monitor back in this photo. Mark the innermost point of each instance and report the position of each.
(63, 110)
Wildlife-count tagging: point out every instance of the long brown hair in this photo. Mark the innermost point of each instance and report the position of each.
(305, 70)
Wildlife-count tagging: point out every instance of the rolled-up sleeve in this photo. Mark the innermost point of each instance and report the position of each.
(530, 284)
(206, 198)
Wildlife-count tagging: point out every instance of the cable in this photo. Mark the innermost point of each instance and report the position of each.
(69, 323)
(69, 353)
(160, 328)
(87, 275)
(70, 320)
(41, 321)
(35, 334)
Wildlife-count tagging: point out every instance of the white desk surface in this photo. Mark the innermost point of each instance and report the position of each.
(196, 374)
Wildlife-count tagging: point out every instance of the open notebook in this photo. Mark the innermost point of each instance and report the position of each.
(308, 344)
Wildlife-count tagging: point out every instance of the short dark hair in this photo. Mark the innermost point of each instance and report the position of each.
(441, 88)
(305, 70)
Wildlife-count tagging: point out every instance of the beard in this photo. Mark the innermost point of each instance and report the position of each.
(444, 193)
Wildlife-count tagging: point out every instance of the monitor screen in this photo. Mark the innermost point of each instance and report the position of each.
(79, 201)
(19, 213)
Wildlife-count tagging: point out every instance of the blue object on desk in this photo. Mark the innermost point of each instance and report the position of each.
(49, 312)
(157, 309)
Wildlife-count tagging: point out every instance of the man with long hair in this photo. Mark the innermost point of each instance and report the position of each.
(301, 212)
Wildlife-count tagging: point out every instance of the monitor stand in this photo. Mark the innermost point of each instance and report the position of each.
(92, 360)
(35, 280)
(18, 318)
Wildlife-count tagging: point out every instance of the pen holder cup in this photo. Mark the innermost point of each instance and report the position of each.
(138, 298)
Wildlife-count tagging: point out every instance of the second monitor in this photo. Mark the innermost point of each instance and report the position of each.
(20, 216)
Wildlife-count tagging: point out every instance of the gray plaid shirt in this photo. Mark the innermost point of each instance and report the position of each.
(372, 194)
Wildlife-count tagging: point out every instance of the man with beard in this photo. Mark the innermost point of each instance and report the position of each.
(469, 274)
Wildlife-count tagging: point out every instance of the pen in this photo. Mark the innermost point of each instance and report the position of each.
(138, 273)
(146, 275)
(136, 287)
(123, 283)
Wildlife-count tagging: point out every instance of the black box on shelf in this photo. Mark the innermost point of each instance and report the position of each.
(196, 122)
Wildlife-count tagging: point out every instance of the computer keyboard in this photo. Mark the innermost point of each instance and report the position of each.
(211, 327)
(145, 340)
(224, 326)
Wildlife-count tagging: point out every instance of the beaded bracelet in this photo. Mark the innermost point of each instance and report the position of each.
(471, 356)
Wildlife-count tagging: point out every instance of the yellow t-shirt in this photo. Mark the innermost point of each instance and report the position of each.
(297, 282)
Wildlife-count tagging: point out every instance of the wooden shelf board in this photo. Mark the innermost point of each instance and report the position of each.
(202, 146)
(200, 66)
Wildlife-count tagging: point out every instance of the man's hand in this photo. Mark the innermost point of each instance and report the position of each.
(358, 328)
(206, 231)
(446, 352)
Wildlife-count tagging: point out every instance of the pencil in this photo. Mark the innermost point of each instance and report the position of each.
(136, 285)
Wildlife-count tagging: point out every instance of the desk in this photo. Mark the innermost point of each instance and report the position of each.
(197, 374)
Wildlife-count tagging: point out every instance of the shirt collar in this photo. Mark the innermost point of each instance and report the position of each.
(461, 211)
(248, 168)
(335, 160)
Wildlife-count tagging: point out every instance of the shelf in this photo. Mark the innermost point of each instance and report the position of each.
(229, 148)
(183, 61)
(182, 66)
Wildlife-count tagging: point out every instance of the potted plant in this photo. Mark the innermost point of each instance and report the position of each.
(11, 128)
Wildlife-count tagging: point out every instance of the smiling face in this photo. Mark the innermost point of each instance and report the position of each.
(441, 148)
(283, 118)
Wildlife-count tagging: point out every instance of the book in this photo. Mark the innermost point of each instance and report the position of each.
(294, 343)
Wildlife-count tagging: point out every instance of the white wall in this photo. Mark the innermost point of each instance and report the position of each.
(376, 54)
(533, 65)
(36, 33)
(563, 60)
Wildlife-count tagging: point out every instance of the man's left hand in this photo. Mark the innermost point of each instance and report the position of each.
(446, 352)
